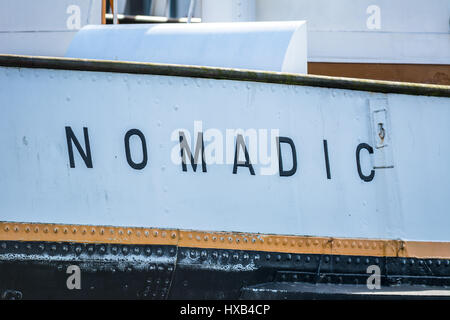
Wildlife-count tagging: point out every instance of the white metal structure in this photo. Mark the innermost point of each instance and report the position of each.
(44, 27)
(406, 197)
(271, 46)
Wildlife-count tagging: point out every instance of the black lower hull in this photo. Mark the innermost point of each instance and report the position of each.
(38, 270)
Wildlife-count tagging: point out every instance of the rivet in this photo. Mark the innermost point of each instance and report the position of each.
(205, 238)
(214, 255)
(74, 230)
(278, 257)
(146, 233)
(308, 259)
(174, 235)
(148, 251)
(230, 239)
(214, 239)
(45, 230)
(129, 232)
(27, 229)
(300, 243)
(65, 230)
(327, 259)
(120, 232)
(84, 231)
(125, 250)
(349, 260)
(237, 240)
(155, 233)
(36, 230)
(136, 250)
(289, 257)
(268, 257)
(204, 254)
(257, 257)
(245, 256)
(222, 239)
(55, 230)
(16, 228)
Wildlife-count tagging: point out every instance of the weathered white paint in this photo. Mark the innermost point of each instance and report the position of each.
(274, 46)
(409, 201)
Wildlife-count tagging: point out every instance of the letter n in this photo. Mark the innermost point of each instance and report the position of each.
(86, 156)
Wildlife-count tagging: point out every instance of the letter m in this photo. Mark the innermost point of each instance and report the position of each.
(184, 148)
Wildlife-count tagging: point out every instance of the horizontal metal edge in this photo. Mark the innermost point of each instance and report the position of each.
(21, 61)
(19, 231)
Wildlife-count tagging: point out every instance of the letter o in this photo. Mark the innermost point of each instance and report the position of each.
(143, 163)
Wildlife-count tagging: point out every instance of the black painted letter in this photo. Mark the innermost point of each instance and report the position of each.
(291, 172)
(70, 136)
(241, 143)
(143, 163)
(184, 147)
(358, 163)
(327, 160)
